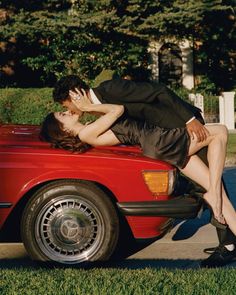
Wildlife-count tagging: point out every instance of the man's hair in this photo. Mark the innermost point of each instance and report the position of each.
(66, 83)
(52, 132)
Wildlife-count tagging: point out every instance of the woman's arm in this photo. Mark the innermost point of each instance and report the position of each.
(97, 133)
(81, 101)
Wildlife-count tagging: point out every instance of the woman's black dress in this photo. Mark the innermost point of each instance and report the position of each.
(169, 145)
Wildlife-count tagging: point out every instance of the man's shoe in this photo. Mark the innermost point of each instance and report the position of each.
(210, 250)
(220, 257)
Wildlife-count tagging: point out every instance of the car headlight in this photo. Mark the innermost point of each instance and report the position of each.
(160, 182)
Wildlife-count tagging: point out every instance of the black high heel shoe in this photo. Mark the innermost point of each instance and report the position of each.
(213, 220)
(216, 223)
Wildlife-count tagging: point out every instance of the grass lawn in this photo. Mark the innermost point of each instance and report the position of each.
(231, 151)
(116, 280)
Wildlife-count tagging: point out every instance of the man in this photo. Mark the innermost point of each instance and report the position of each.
(155, 104)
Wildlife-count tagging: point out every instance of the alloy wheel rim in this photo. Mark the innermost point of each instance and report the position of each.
(69, 229)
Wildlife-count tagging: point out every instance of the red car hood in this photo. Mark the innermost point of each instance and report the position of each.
(19, 135)
(27, 136)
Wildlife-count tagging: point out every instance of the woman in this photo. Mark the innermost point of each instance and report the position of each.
(175, 146)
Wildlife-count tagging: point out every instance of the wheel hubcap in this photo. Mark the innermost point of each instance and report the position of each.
(69, 229)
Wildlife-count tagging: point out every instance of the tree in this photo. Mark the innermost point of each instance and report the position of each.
(54, 37)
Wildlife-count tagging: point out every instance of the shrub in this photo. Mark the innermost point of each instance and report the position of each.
(25, 106)
(30, 105)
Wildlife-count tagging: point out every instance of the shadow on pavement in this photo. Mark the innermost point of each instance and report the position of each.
(18, 263)
(122, 264)
(189, 228)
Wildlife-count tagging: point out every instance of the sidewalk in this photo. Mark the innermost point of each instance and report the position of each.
(230, 161)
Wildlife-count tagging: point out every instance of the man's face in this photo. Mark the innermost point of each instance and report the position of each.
(71, 107)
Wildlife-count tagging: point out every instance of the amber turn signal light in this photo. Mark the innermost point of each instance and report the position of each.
(159, 182)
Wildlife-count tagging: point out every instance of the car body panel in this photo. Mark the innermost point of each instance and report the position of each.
(27, 163)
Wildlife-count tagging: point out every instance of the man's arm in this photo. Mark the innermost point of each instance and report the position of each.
(158, 96)
(121, 91)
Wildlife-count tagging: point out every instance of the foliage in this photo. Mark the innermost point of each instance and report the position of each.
(211, 105)
(205, 85)
(211, 102)
(50, 38)
(73, 41)
(231, 147)
(103, 76)
(216, 52)
(25, 106)
(120, 278)
(30, 105)
(182, 92)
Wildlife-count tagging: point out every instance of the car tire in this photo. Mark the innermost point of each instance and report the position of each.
(70, 222)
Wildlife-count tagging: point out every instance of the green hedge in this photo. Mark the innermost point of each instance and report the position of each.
(26, 106)
(30, 105)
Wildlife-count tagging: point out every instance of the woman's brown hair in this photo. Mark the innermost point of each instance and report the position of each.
(52, 131)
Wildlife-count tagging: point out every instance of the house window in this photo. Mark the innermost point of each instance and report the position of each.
(170, 65)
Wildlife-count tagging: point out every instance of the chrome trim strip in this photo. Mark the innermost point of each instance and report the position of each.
(5, 205)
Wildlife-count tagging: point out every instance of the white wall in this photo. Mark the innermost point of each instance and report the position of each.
(226, 106)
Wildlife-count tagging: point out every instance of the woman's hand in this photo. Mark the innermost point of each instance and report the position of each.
(80, 99)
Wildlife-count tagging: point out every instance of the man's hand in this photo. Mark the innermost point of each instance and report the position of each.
(195, 127)
(80, 99)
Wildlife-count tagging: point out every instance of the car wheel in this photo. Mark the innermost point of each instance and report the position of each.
(70, 222)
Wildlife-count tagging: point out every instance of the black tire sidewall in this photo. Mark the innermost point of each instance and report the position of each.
(88, 191)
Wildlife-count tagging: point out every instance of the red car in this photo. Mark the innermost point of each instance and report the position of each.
(71, 208)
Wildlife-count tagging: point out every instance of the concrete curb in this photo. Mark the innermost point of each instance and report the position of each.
(230, 161)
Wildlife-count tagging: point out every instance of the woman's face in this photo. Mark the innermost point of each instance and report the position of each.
(71, 107)
(68, 119)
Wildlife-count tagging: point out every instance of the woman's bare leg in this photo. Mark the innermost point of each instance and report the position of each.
(216, 142)
(199, 172)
